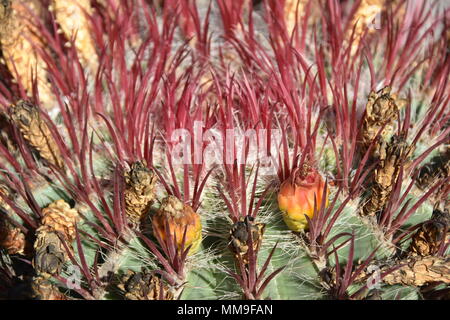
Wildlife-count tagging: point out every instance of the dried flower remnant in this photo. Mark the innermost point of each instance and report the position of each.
(297, 196)
(294, 11)
(18, 36)
(431, 235)
(392, 156)
(179, 218)
(34, 129)
(12, 239)
(43, 289)
(71, 17)
(139, 191)
(239, 236)
(144, 286)
(381, 110)
(57, 225)
(437, 168)
(366, 17)
(5, 11)
(420, 271)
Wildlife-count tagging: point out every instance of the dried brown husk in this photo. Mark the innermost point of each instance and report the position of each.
(36, 132)
(239, 236)
(43, 289)
(139, 192)
(54, 237)
(431, 235)
(18, 38)
(12, 239)
(437, 168)
(381, 110)
(71, 17)
(392, 156)
(294, 11)
(365, 18)
(421, 271)
(413, 271)
(144, 286)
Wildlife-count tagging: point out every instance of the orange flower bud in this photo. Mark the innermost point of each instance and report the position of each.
(179, 217)
(296, 197)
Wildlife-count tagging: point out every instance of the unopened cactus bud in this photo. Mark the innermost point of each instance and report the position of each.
(239, 236)
(297, 195)
(179, 218)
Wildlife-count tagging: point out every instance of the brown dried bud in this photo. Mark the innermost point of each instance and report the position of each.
(392, 156)
(12, 239)
(365, 18)
(19, 36)
(139, 191)
(58, 216)
(43, 289)
(431, 235)
(144, 286)
(5, 10)
(381, 110)
(58, 225)
(71, 17)
(420, 271)
(239, 236)
(27, 118)
(50, 253)
(437, 168)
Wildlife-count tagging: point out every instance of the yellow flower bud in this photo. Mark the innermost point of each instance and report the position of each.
(296, 197)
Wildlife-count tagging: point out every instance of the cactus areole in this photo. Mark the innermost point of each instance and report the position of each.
(296, 196)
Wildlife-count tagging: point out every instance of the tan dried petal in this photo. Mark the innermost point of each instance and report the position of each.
(139, 192)
(17, 36)
(27, 118)
(71, 16)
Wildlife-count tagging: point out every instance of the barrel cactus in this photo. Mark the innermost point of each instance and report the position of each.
(177, 149)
